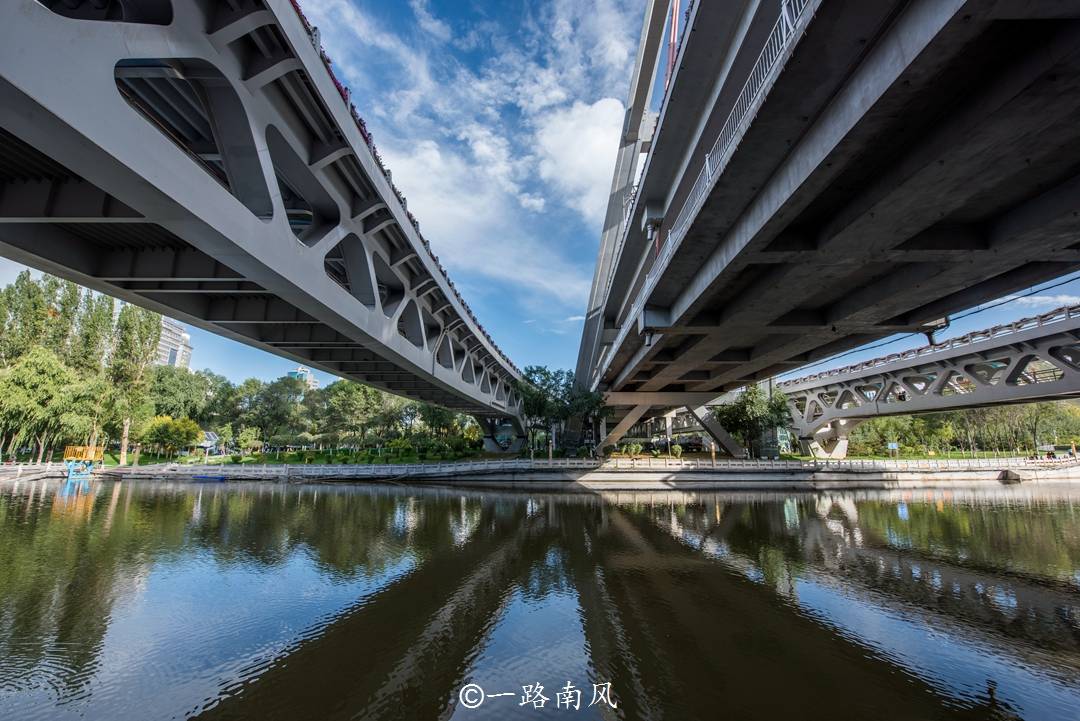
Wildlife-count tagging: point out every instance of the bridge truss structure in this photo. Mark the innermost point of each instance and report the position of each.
(1032, 359)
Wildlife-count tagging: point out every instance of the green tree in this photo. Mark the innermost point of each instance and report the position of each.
(27, 315)
(225, 435)
(752, 413)
(96, 333)
(437, 419)
(38, 400)
(138, 332)
(221, 404)
(248, 440)
(351, 409)
(63, 321)
(178, 392)
(278, 408)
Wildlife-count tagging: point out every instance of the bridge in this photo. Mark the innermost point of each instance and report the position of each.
(201, 159)
(1027, 360)
(824, 173)
(1031, 359)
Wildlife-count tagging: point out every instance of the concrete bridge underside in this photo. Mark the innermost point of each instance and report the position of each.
(902, 161)
(198, 158)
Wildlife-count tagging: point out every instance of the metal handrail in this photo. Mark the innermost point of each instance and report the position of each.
(783, 36)
(1057, 315)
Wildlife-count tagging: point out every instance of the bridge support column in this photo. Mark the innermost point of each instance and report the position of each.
(620, 429)
(717, 432)
(831, 441)
(496, 434)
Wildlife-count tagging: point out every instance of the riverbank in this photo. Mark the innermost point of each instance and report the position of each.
(588, 476)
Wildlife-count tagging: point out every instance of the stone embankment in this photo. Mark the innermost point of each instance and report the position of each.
(584, 475)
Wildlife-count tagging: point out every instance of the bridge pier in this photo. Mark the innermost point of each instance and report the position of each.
(717, 432)
(492, 425)
(831, 441)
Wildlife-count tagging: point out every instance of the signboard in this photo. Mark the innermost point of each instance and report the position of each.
(894, 446)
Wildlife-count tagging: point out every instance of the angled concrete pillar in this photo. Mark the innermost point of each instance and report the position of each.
(620, 429)
(705, 419)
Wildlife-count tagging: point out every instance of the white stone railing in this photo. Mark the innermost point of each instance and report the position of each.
(464, 468)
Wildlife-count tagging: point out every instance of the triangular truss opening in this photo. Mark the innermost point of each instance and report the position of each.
(988, 372)
(896, 394)
(957, 384)
(1033, 370)
(920, 383)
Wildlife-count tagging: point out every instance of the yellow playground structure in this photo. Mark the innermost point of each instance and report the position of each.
(92, 454)
(81, 462)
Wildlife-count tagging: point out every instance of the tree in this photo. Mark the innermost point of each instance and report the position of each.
(1041, 417)
(63, 317)
(248, 440)
(178, 392)
(278, 407)
(752, 413)
(27, 311)
(95, 334)
(351, 408)
(38, 395)
(138, 332)
(436, 418)
(225, 435)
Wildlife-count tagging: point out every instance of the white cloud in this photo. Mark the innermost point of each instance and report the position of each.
(1047, 301)
(471, 223)
(577, 148)
(486, 149)
(575, 318)
(428, 22)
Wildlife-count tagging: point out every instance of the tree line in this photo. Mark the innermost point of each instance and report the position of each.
(77, 368)
(1006, 429)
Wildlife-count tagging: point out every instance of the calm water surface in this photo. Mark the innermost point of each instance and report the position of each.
(320, 602)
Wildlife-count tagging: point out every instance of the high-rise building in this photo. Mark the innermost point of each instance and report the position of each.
(174, 348)
(304, 374)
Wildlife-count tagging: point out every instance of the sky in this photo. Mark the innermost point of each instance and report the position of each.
(500, 121)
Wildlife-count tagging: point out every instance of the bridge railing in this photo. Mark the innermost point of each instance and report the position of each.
(784, 34)
(1058, 315)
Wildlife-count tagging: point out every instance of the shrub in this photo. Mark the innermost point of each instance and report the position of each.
(676, 450)
(236, 458)
(582, 452)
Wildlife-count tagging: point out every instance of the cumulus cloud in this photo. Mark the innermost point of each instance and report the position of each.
(471, 221)
(487, 148)
(577, 147)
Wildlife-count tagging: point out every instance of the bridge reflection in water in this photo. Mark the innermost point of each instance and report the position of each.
(262, 601)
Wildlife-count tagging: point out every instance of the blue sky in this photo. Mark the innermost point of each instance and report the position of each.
(499, 121)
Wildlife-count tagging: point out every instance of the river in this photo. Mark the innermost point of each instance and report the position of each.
(263, 601)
